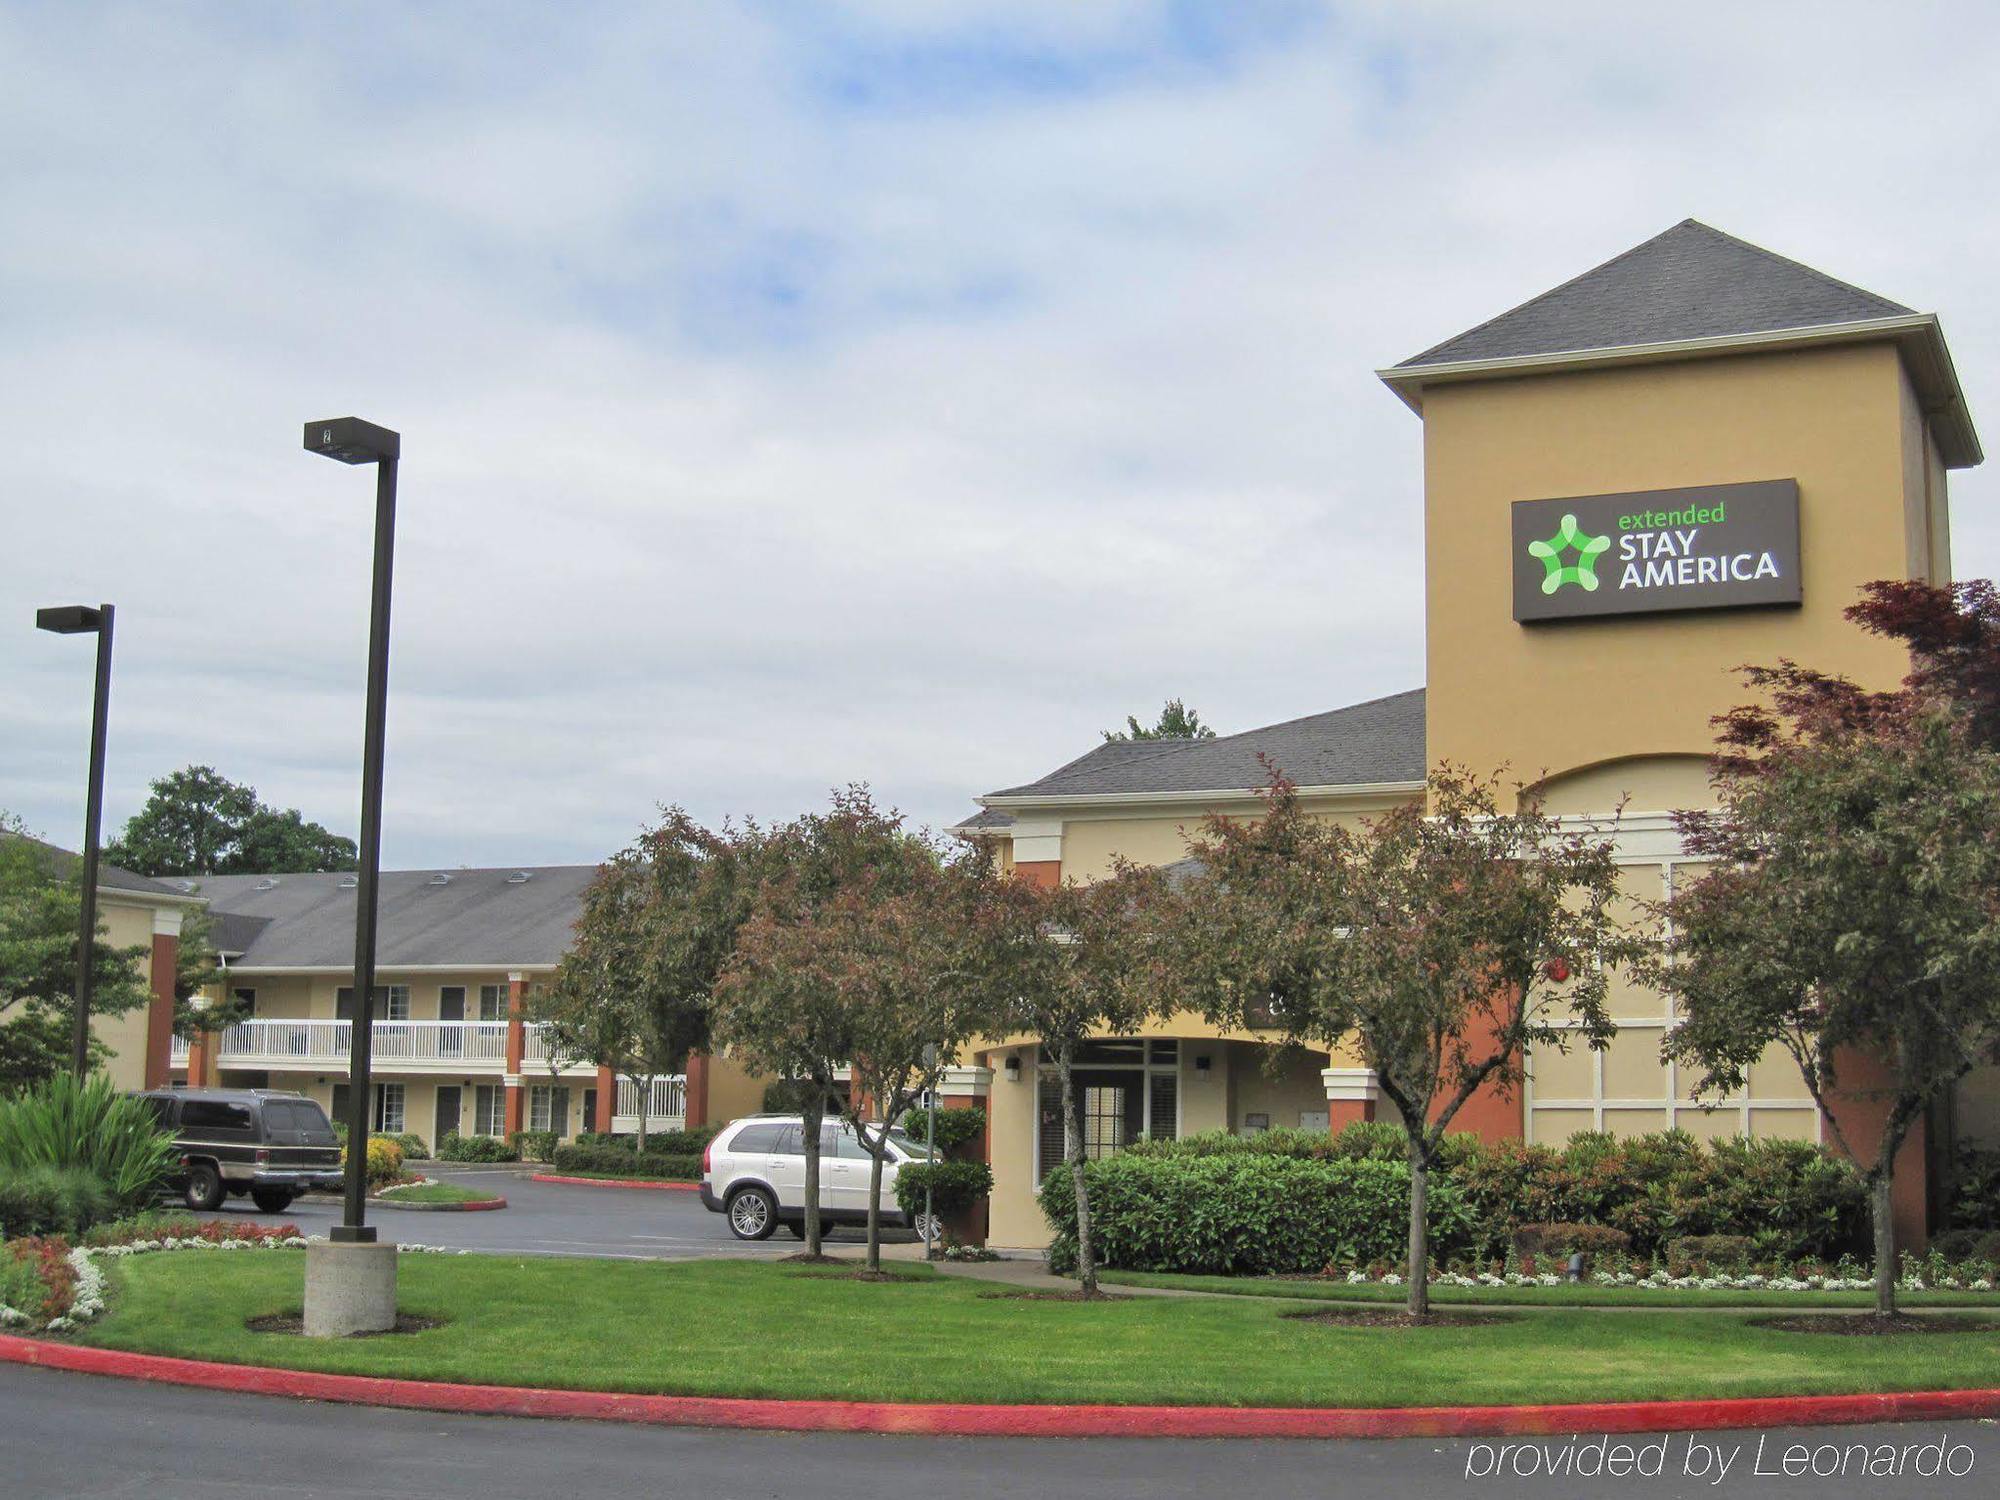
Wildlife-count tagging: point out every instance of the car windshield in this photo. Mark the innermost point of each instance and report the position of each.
(908, 1144)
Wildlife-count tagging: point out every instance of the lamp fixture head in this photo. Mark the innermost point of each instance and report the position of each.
(1013, 1067)
(70, 619)
(352, 440)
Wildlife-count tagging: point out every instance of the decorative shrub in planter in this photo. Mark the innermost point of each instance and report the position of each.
(957, 1128)
(956, 1189)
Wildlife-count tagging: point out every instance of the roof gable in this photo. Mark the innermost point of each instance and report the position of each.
(1368, 744)
(1692, 282)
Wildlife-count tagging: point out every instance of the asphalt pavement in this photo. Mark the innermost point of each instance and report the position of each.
(546, 1218)
(81, 1435)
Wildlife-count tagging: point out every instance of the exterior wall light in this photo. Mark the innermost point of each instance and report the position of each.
(1201, 1068)
(1013, 1067)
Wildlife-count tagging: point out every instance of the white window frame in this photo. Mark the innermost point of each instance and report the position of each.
(482, 1124)
(497, 994)
(391, 1114)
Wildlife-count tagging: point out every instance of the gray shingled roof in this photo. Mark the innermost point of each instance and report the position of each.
(476, 917)
(64, 862)
(986, 820)
(1377, 741)
(1691, 282)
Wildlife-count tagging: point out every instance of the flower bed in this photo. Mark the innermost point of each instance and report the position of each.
(1919, 1273)
(68, 1285)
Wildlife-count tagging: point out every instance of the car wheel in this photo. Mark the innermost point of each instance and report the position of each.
(797, 1228)
(753, 1214)
(204, 1188)
(271, 1200)
(928, 1227)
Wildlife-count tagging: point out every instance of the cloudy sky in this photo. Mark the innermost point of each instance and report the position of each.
(801, 393)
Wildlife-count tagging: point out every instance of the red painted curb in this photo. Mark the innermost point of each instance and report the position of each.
(648, 1183)
(1011, 1421)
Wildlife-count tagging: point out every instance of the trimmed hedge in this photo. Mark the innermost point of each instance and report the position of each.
(53, 1200)
(1958, 1245)
(1703, 1254)
(533, 1145)
(662, 1142)
(623, 1161)
(456, 1147)
(1246, 1213)
(1564, 1240)
(1791, 1200)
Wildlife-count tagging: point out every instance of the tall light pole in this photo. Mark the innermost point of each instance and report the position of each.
(354, 441)
(81, 619)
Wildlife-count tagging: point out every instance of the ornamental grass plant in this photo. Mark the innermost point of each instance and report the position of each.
(67, 1125)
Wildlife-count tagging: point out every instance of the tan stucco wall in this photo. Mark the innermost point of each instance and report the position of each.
(1558, 696)
(733, 1090)
(125, 1035)
(1093, 840)
(1295, 1090)
(1014, 1219)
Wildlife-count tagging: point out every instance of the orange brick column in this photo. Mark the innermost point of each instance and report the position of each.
(607, 1101)
(1043, 872)
(200, 1060)
(517, 999)
(694, 1096)
(160, 1009)
(968, 1088)
(1350, 1096)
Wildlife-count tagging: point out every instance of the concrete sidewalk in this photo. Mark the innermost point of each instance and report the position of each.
(1022, 1271)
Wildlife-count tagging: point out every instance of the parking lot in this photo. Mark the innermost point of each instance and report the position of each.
(543, 1218)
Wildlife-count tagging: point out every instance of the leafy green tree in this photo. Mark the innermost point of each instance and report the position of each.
(271, 840)
(799, 1021)
(198, 822)
(1176, 722)
(1075, 962)
(894, 960)
(1850, 909)
(41, 908)
(1443, 939)
(634, 990)
(198, 970)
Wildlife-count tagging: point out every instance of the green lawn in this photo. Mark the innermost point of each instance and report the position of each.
(763, 1329)
(1305, 1289)
(438, 1192)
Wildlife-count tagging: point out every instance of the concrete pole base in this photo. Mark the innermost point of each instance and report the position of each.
(350, 1288)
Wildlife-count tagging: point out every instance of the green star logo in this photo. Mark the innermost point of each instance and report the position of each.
(1569, 538)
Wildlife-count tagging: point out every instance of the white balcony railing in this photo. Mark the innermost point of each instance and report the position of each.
(406, 1046)
(177, 1052)
(450, 1044)
(666, 1107)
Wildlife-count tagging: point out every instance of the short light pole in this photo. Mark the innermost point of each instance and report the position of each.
(930, 1152)
(353, 441)
(81, 619)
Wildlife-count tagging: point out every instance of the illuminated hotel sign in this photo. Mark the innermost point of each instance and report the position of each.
(1720, 546)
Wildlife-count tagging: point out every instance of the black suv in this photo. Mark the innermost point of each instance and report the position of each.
(269, 1144)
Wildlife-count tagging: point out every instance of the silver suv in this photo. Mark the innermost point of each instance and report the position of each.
(754, 1171)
